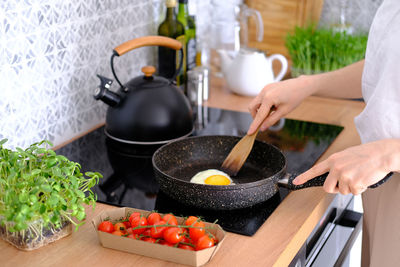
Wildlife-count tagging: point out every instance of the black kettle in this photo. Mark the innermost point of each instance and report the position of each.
(148, 109)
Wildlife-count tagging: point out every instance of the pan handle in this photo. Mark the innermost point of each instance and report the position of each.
(319, 181)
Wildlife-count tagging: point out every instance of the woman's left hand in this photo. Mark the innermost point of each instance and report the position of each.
(354, 169)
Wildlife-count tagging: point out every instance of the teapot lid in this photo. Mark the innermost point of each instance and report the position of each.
(250, 51)
(147, 80)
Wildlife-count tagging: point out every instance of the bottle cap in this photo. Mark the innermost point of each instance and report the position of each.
(170, 3)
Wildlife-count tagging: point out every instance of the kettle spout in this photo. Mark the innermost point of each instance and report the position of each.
(102, 93)
(226, 59)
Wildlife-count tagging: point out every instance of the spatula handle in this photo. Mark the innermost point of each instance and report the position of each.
(273, 108)
(320, 180)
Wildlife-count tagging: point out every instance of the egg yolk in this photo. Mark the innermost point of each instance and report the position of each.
(217, 180)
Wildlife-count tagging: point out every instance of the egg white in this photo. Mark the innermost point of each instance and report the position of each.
(200, 177)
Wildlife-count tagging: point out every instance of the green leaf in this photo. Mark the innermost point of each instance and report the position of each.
(80, 194)
(35, 190)
(3, 141)
(51, 162)
(61, 158)
(33, 199)
(55, 219)
(74, 207)
(81, 207)
(23, 197)
(57, 187)
(63, 201)
(53, 200)
(35, 172)
(24, 209)
(46, 188)
(81, 215)
(20, 226)
(42, 209)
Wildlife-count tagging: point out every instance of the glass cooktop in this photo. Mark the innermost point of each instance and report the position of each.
(128, 178)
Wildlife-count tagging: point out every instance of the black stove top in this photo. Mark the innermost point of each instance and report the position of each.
(129, 181)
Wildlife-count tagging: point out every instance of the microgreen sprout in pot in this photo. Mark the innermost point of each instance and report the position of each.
(315, 50)
(41, 193)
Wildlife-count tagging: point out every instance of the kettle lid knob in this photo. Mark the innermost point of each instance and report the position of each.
(148, 70)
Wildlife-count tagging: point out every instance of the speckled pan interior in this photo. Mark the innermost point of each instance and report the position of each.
(177, 162)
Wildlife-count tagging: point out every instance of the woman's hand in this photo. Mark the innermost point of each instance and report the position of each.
(287, 94)
(284, 96)
(356, 168)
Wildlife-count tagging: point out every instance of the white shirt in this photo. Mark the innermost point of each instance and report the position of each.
(381, 77)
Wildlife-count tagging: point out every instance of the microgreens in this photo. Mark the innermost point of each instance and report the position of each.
(37, 185)
(315, 50)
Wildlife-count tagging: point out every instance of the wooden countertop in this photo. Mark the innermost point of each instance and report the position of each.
(275, 243)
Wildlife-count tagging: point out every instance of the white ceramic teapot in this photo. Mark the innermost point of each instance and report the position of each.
(250, 70)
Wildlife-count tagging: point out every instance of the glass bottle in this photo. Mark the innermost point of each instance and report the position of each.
(190, 34)
(192, 43)
(168, 59)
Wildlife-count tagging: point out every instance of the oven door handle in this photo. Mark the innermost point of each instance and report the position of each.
(349, 219)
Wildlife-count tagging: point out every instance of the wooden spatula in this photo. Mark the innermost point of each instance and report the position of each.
(239, 153)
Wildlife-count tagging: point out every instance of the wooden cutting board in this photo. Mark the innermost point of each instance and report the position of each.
(280, 17)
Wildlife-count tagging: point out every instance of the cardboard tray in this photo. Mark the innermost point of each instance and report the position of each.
(177, 255)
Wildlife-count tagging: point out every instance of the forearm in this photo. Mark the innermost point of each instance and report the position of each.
(342, 83)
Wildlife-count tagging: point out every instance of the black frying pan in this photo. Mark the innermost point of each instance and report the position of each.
(177, 162)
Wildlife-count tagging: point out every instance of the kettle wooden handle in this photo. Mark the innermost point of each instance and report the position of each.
(147, 41)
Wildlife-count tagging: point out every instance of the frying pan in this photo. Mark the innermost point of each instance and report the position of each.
(177, 162)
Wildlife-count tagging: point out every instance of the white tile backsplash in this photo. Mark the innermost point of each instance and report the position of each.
(51, 51)
(357, 13)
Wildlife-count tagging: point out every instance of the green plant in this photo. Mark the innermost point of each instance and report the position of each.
(317, 132)
(42, 190)
(315, 50)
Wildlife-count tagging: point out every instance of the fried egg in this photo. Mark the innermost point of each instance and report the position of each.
(212, 177)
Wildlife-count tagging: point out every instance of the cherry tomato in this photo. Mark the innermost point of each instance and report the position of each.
(127, 224)
(135, 214)
(118, 233)
(197, 231)
(137, 221)
(186, 240)
(119, 227)
(157, 232)
(215, 239)
(106, 226)
(190, 220)
(129, 230)
(204, 242)
(149, 239)
(170, 219)
(184, 246)
(153, 218)
(173, 235)
(146, 232)
(134, 236)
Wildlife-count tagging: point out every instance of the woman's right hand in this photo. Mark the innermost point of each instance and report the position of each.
(284, 96)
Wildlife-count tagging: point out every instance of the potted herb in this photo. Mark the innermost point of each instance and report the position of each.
(315, 50)
(42, 195)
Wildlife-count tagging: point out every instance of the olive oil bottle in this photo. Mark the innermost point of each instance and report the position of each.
(190, 33)
(168, 59)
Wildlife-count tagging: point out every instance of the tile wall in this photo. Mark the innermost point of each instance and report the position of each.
(51, 51)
